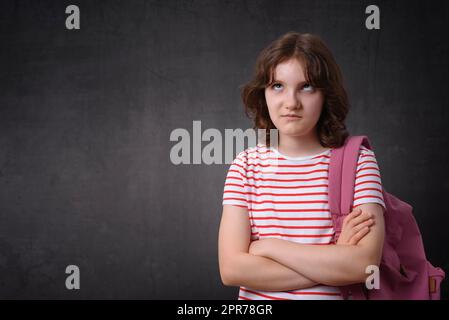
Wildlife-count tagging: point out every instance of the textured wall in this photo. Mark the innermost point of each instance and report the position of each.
(86, 116)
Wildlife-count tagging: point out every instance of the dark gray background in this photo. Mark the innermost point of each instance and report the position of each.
(86, 115)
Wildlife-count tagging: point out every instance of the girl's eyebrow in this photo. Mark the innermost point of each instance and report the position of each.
(301, 83)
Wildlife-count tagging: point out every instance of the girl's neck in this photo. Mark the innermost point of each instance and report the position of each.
(300, 146)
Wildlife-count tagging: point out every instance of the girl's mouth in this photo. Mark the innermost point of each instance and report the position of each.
(291, 117)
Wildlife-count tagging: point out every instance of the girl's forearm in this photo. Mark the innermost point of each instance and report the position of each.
(264, 274)
(334, 265)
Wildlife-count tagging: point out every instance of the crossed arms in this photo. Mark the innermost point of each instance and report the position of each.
(280, 265)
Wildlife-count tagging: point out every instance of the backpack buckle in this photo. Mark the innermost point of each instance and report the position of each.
(432, 285)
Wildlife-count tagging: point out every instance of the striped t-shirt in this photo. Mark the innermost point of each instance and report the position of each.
(287, 198)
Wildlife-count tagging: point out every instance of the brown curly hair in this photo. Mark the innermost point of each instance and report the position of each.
(322, 72)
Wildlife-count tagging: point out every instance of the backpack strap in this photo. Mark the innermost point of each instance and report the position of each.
(342, 173)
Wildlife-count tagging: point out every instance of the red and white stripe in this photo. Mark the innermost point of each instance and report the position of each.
(287, 198)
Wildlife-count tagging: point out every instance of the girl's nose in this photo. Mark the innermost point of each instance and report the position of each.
(292, 101)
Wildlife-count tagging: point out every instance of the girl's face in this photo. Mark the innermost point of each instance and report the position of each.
(290, 94)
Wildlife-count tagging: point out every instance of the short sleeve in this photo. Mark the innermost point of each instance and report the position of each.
(368, 184)
(235, 185)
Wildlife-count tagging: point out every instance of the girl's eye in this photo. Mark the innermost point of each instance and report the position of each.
(276, 86)
(308, 87)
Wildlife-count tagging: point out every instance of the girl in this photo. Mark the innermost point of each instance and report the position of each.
(276, 233)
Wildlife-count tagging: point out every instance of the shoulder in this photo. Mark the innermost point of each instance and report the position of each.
(254, 153)
(252, 159)
(367, 160)
(365, 152)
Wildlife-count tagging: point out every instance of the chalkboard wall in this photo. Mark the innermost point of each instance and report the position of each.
(86, 114)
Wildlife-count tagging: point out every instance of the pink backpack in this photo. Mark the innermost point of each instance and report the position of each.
(405, 272)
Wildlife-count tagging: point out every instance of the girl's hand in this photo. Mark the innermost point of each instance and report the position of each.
(254, 247)
(260, 247)
(355, 226)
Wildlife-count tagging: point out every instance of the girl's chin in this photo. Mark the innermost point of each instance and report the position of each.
(291, 131)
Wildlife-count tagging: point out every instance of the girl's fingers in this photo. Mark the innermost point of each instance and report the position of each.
(359, 236)
(357, 228)
(355, 213)
(360, 226)
(356, 225)
(360, 218)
